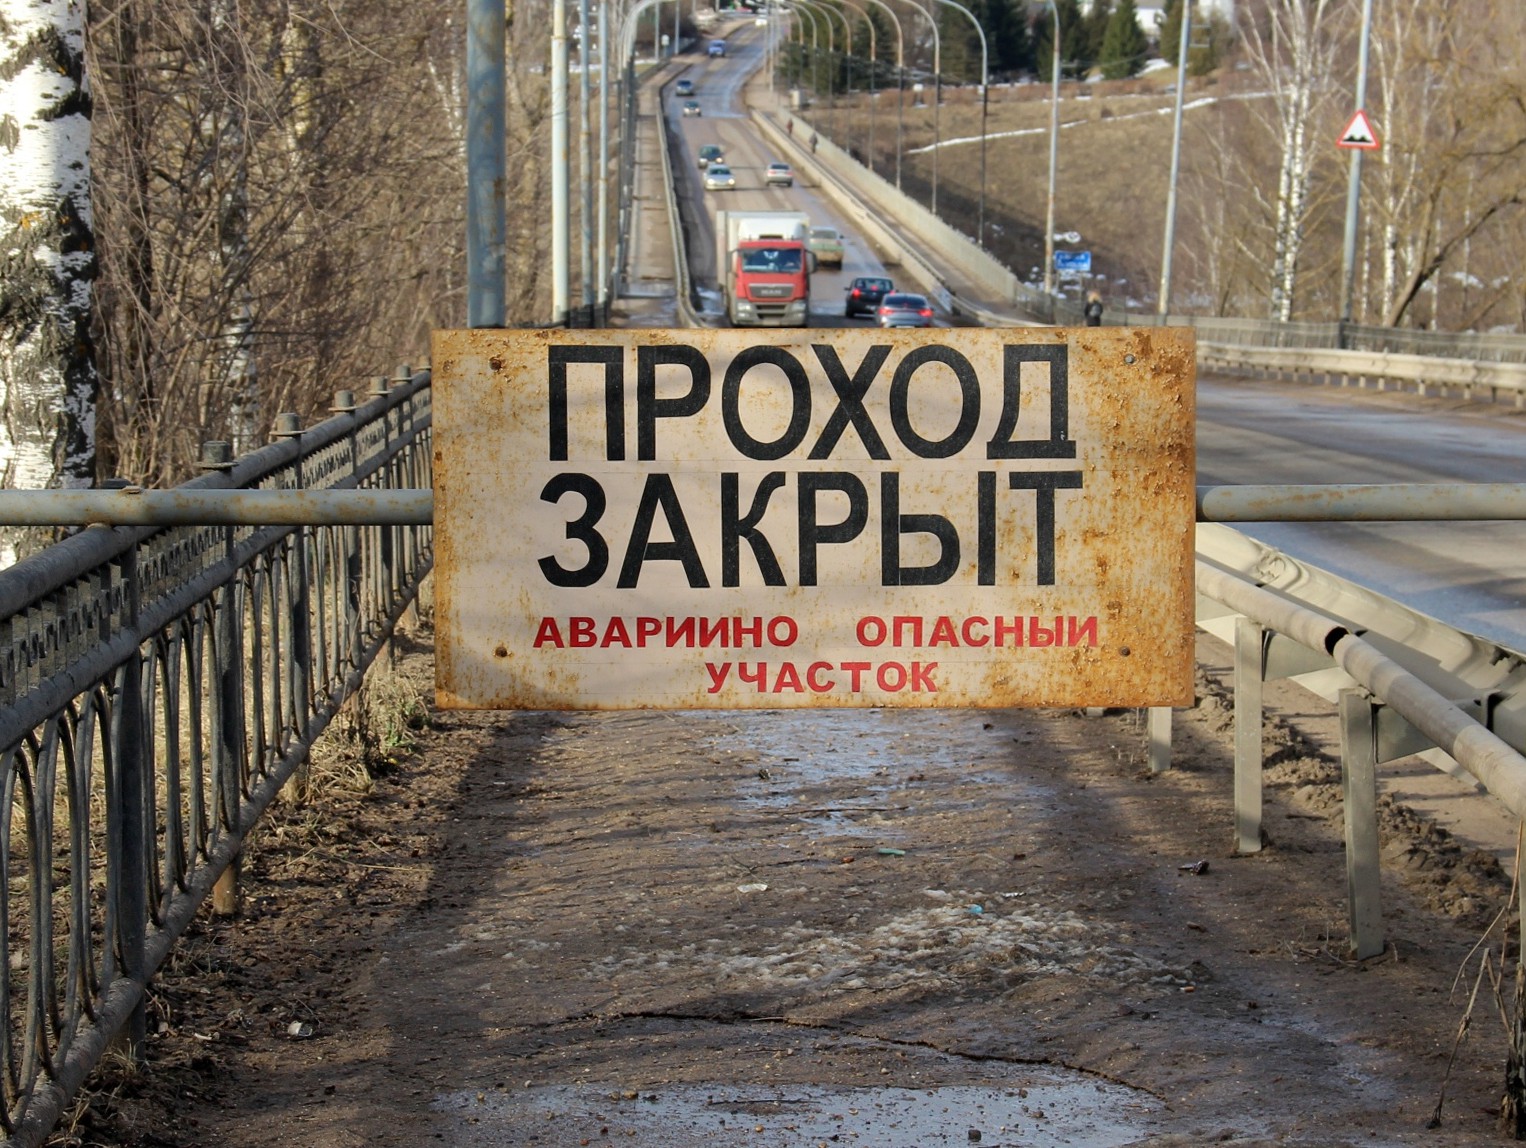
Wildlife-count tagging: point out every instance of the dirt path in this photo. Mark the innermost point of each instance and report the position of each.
(882, 928)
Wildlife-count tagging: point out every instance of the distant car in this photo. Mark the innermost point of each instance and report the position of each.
(691, 108)
(865, 295)
(717, 48)
(900, 309)
(779, 173)
(683, 88)
(710, 153)
(826, 244)
(718, 177)
(760, 21)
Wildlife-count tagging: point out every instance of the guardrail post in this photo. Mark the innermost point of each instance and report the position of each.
(1250, 672)
(1158, 729)
(1359, 794)
(129, 748)
(227, 697)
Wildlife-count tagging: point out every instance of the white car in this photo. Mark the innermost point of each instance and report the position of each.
(719, 177)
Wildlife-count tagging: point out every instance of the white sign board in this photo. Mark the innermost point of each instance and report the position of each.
(844, 517)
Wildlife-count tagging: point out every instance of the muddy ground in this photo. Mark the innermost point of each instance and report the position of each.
(894, 929)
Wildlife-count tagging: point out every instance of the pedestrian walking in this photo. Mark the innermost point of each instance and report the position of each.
(1093, 310)
(813, 143)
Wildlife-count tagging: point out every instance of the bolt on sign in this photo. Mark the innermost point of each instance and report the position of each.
(833, 517)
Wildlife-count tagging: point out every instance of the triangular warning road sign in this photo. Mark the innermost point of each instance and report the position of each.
(1358, 133)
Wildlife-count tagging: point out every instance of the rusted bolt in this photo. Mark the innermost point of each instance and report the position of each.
(1128, 358)
(501, 652)
(1124, 651)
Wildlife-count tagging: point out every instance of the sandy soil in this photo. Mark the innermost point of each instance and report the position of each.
(820, 928)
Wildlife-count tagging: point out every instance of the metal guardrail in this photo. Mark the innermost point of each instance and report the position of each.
(1422, 372)
(1404, 684)
(158, 688)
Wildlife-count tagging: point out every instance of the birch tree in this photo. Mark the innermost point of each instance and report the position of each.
(1293, 48)
(1451, 117)
(47, 368)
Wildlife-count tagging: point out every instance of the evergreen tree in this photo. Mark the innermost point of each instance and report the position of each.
(1169, 22)
(1094, 27)
(1007, 34)
(1124, 45)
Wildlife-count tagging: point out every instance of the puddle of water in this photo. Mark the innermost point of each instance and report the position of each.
(1052, 1111)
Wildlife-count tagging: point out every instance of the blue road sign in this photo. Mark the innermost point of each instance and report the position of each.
(1073, 261)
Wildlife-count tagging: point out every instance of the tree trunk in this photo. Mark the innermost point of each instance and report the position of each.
(47, 363)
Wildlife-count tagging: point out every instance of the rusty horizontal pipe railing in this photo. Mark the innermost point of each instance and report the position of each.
(1398, 502)
(1496, 764)
(135, 506)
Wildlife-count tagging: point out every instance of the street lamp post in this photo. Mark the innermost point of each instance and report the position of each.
(1054, 153)
(985, 85)
(1164, 306)
(900, 85)
(485, 164)
(827, 11)
(585, 155)
(560, 244)
(937, 99)
(873, 67)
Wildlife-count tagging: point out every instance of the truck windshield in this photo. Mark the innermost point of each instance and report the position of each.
(784, 260)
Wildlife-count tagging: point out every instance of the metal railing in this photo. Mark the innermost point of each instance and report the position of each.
(158, 689)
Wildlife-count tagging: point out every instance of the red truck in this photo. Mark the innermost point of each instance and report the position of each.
(764, 265)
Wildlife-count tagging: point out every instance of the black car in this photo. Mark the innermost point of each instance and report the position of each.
(865, 293)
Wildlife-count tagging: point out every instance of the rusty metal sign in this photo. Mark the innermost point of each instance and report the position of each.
(846, 517)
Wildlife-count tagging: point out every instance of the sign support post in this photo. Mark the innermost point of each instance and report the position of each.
(1350, 139)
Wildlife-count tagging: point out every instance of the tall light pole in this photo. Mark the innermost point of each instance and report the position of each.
(873, 67)
(603, 32)
(585, 150)
(1354, 183)
(985, 84)
(827, 11)
(1054, 153)
(1164, 306)
(937, 99)
(560, 243)
(485, 164)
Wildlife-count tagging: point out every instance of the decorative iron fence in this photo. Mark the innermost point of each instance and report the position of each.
(158, 688)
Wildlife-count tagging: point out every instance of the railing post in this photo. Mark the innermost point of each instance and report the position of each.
(350, 641)
(299, 651)
(227, 696)
(1359, 795)
(129, 748)
(1250, 669)
(382, 536)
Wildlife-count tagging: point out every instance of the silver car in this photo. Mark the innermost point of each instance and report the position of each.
(719, 177)
(903, 309)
